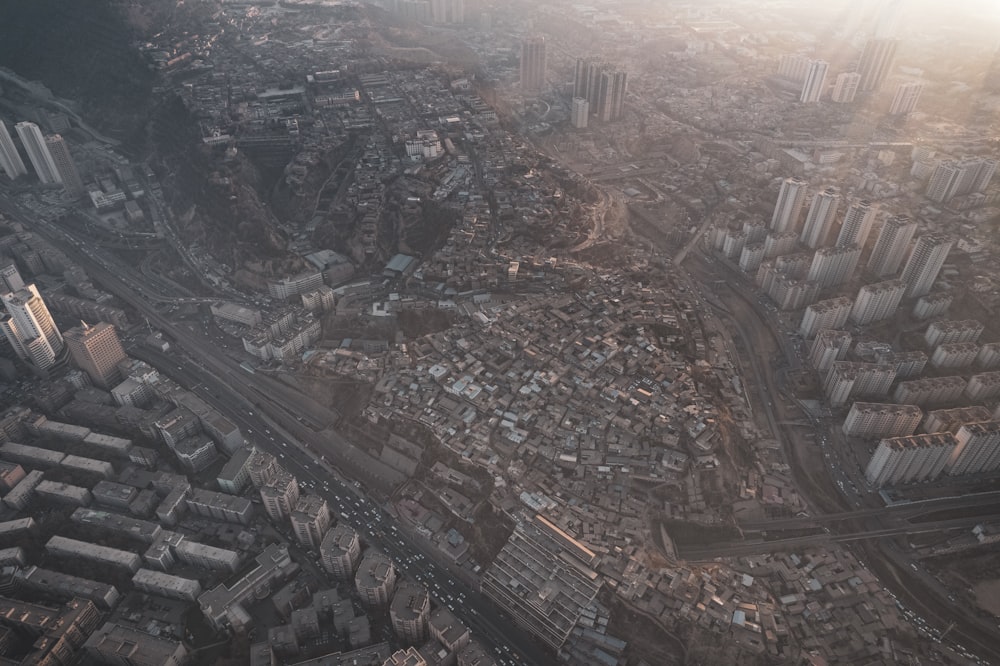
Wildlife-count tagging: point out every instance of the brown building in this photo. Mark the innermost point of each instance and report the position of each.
(97, 351)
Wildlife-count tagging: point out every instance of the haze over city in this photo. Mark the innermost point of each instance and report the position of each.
(499, 333)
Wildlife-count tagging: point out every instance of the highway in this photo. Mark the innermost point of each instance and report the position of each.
(274, 417)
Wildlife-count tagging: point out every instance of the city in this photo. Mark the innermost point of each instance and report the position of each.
(467, 332)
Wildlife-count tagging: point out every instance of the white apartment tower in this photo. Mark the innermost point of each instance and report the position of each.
(832, 266)
(876, 62)
(38, 153)
(815, 83)
(30, 329)
(845, 87)
(533, 64)
(857, 224)
(922, 268)
(65, 166)
(10, 160)
(580, 112)
(978, 449)
(831, 313)
(909, 459)
(788, 209)
(819, 219)
(906, 98)
(890, 248)
(829, 346)
(876, 302)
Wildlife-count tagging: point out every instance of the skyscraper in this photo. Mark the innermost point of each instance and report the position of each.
(794, 67)
(788, 209)
(906, 98)
(876, 62)
(448, 12)
(845, 87)
(876, 302)
(533, 64)
(580, 112)
(857, 224)
(10, 160)
(38, 153)
(890, 248)
(29, 327)
(954, 178)
(97, 351)
(834, 265)
(613, 85)
(65, 166)
(819, 219)
(815, 83)
(603, 86)
(925, 262)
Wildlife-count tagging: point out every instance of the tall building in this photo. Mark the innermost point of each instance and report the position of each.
(977, 450)
(788, 209)
(819, 219)
(603, 86)
(831, 313)
(793, 67)
(310, 520)
(340, 551)
(955, 355)
(984, 386)
(876, 62)
(97, 351)
(10, 160)
(815, 83)
(38, 153)
(611, 95)
(375, 580)
(910, 459)
(953, 178)
(857, 223)
(832, 266)
(890, 248)
(932, 305)
(926, 260)
(580, 112)
(533, 64)
(409, 613)
(751, 256)
(845, 87)
(280, 496)
(947, 331)
(30, 329)
(65, 166)
(585, 78)
(876, 302)
(873, 419)
(906, 98)
(777, 244)
(448, 12)
(10, 277)
(829, 346)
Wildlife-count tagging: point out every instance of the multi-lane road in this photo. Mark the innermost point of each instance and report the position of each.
(276, 418)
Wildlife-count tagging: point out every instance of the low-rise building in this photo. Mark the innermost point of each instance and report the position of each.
(119, 644)
(165, 585)
(544, 579)
(65, 586)
(208, 557)
(220, 506)
(222, 604)
(72, 548)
